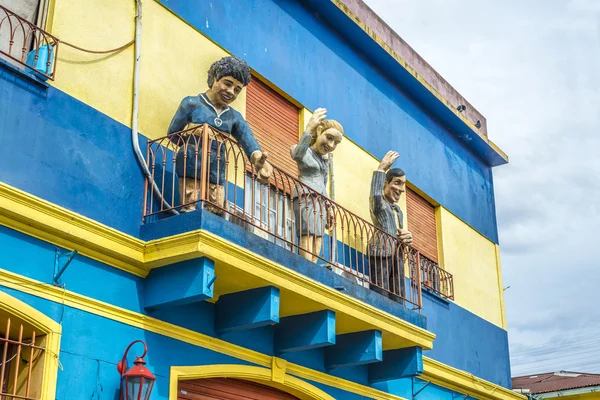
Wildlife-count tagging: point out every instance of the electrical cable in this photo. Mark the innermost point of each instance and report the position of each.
(566, 353)
(574, 338)
(556, 351)
(98, 51)
(560, 362)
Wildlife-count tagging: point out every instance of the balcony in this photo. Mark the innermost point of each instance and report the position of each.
(433, 278)
(27, 45)
(267, 211)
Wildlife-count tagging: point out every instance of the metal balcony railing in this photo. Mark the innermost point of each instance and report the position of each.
(351, 246)
(433, 277)
(26, 44)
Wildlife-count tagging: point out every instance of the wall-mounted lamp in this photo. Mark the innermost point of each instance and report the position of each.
(137, 383)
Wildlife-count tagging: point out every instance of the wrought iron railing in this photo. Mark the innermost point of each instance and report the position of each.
(435, 278)
(201, 159)
(22, 357)
(26, 44)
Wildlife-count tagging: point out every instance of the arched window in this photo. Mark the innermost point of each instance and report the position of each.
(29, 344)
(225, 381)
(228, 389)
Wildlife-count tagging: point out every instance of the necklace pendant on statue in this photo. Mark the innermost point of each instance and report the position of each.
(218, 121)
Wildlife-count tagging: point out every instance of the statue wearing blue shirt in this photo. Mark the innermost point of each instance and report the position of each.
(226, 79)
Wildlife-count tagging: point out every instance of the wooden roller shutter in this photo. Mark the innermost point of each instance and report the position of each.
(228, 389)
(274, 122)
(421, 222)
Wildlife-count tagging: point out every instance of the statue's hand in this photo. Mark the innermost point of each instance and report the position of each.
(319, 115)
(405, 236)
(330, 218)
(264, 174)
(263, 168)
(388, 160)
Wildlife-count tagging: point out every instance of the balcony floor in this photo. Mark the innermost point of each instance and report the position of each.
(233, 279)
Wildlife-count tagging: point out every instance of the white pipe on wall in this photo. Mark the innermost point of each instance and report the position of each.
(136, 105)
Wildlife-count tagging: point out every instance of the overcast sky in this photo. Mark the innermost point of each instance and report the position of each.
(532, 67)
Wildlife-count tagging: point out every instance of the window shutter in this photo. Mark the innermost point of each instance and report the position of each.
(421, 222)
(228, 389)
(274, 122)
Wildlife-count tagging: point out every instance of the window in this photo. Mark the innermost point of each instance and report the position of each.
(421, 222)
(22, 355)
(27, 363)
(274, 122)
(257, 198)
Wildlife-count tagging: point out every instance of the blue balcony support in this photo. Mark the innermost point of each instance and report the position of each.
(397, 364)
(305, 332)
(179, 284)
(247, 310)
(352, 349)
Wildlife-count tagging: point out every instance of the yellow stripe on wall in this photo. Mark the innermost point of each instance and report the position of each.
(353, 171)
(472, 259)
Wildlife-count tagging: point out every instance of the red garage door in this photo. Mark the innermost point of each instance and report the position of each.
(228, 389)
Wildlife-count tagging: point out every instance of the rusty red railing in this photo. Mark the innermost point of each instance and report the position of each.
(205, 168)
(435, 278)
(21, 359)
(30, 46)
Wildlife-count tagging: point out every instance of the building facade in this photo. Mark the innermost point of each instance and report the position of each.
(96, 254)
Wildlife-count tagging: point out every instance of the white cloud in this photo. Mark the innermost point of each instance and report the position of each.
(532, 69)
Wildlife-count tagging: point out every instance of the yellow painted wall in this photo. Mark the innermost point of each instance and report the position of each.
(473, 261)
(169, 71)
(353, 169)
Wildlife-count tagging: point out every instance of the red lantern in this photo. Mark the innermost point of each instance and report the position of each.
(137, 383)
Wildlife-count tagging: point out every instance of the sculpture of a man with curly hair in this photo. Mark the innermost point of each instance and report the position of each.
(226, 79)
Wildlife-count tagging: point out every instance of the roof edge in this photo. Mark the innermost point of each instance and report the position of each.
(436, 86)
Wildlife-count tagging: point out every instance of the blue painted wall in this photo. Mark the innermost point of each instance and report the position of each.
(64, 151)
(466, 341)
(296, 51)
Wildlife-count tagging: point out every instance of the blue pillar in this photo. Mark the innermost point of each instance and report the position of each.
(305, 331)
(179, 284)
(247, 310)
(397, 364)
(354, 349)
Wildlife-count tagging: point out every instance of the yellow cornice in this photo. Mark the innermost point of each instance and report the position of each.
(51, 223)
(109, 311)
(39, 218)
(463, 382)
